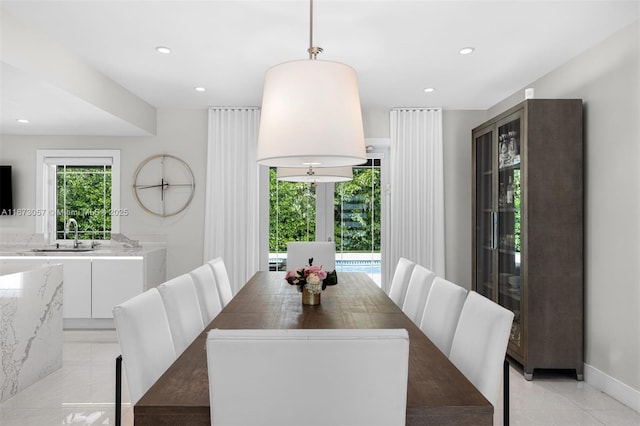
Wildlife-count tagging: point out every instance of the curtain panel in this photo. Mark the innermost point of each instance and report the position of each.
(416, 223)
(231, 228)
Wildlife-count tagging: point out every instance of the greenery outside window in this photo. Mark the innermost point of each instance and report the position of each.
(82, 185)
(292, 214)
(348, 213)
(84, 193)
(357, 210)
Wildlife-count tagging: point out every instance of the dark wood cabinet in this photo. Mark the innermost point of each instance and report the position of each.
(528, 228)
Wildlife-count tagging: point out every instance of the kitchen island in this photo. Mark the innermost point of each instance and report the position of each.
(95, 279)
(30, 324)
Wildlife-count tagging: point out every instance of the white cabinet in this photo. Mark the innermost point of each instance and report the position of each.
(114, 280)
(93, 285)
(76, 287)
(25, 263)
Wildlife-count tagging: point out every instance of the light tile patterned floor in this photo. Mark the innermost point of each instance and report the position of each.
(556, 399)
(82, 393)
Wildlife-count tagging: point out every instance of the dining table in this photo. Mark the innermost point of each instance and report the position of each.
(437, 392)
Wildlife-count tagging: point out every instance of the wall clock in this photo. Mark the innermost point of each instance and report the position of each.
(163, 185)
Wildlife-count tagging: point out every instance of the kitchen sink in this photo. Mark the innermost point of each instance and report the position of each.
(62, 249)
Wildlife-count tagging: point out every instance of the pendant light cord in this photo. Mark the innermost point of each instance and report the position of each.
(313, 51)
(311, 29)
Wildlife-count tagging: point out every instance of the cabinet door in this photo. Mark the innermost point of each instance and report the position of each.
(25, 264)
(76, 279)
(485, 217)
(509, 220)
(114, 280)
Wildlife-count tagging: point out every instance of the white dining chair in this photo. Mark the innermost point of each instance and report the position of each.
(145, 341)
(301, 377)
(400, 280)
(183, 310)
(480, 343)
(322, 252)
(207, 291)
(441, 313)
(417, 292)
(222, 280)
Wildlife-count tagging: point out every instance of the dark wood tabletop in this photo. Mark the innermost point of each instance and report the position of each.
(437, 392)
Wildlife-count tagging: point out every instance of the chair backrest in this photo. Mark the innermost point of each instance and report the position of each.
(441, 313)
(400, 280)
(183, 310)
(417, 292)
(480, 343)
(145, 340)
(207, 292)
(222, 280)
(322, 252)
(308, 377)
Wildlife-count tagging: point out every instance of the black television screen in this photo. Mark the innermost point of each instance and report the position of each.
(6, 194)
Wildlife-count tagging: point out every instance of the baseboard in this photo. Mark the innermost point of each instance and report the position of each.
(612, 387)
(84, 323)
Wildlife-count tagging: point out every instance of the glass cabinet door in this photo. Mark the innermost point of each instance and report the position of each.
(509, 220)
(485, 216)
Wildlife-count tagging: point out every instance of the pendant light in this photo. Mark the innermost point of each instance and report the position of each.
(311, 114)
(324, 174)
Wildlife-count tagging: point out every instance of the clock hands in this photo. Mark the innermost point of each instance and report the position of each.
(164, 184)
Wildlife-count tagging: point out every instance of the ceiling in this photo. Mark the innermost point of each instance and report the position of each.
(398, 48)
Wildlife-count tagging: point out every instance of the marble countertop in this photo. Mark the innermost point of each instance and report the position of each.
(120, 245)
(98, 252)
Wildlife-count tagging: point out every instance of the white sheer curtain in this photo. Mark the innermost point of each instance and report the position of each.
(416, 220)
(231, 226)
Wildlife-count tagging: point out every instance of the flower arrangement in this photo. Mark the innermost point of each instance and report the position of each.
(312, 278)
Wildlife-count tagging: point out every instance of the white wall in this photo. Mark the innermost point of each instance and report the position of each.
(457, 126)
(607, 79)
(180, 132)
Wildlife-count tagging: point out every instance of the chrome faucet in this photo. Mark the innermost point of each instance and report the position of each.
(75, 234)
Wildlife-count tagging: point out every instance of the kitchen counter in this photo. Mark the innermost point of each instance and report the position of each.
(100, 251)
(97, 279)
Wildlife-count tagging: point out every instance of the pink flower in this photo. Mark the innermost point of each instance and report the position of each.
(290, 274)
(313, 270)
(310, 277)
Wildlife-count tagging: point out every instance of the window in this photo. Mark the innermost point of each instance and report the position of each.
(348, 213)
(292, 215)
(357, 225)
(79, 184)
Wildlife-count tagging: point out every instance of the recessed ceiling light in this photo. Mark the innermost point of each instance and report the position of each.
(163, 49)
(22, 120)
(199, 89)
(429, 90)
(466, 50)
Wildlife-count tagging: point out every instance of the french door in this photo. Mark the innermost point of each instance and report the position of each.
(349, 213)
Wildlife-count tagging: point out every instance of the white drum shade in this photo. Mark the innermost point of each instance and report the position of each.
(311, 116)
(323, 174)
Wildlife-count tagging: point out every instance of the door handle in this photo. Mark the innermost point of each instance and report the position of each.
(494, 230)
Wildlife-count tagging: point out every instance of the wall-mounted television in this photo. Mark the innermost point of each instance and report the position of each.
(6, 193)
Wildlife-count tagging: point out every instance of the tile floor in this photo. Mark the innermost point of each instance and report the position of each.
(82, 393)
